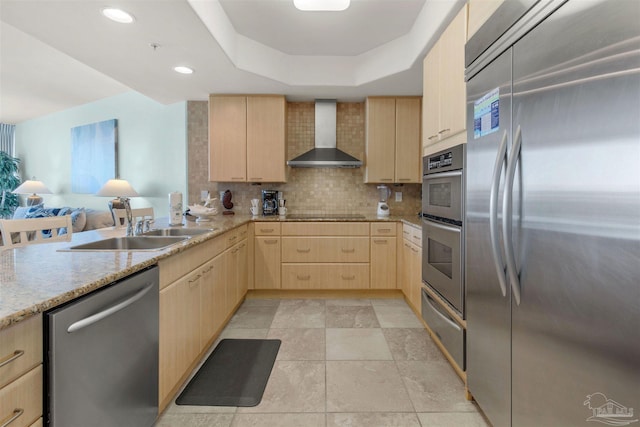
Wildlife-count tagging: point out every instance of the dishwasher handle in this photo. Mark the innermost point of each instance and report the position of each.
(87, 321)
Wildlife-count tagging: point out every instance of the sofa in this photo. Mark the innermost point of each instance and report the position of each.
(81, 218)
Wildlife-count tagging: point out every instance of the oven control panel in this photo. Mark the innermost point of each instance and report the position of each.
(450, 159)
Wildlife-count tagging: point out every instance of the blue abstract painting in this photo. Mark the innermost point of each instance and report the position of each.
(93, 155)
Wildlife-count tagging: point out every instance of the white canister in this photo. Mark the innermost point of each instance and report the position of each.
(175, 208)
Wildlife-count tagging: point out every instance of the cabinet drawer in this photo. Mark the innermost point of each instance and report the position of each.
(176, 266)
(325, 229)
(325, 276)
(451, 334)
(22, 399)
(267, 228)
(20, 349)
(234, 236)
(412, 234)
(383, 228)
(325, 249)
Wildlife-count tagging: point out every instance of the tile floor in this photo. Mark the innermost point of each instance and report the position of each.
(347, 362)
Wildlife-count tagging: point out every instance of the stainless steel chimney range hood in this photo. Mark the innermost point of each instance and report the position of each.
(325, 154)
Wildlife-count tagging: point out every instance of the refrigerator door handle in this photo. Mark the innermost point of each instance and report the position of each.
(493, 215)
(507, 212)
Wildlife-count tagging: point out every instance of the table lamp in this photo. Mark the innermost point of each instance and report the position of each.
(31, 186)
(122, 190)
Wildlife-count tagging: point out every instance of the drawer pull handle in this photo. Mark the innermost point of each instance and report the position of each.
(304, 251)
(208, 269)
(271, 242)
(307, 277)
(384, 230)
(348, 251)
(380, 241)
(195, 279)
(233, 238)
(16, 414)
(414, 249)
(386, 179)
(347, 277)
(256, 179)
(267, 230)
(408, 245)
(432, 137)
(443, 131)
(11, 358)
(237, 178)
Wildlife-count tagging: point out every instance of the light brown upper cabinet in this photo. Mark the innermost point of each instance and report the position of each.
(247, 138)
(479, 12)
(444, 91)
(393, 148)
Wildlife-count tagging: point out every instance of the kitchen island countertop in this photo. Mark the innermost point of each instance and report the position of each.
(36, 278)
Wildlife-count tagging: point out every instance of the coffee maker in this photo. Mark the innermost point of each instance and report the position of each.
(269, 202)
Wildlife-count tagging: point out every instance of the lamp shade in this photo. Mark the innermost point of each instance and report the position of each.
(32, 187)
(117, 188)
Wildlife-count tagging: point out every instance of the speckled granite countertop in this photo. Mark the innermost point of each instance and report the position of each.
(38, 277)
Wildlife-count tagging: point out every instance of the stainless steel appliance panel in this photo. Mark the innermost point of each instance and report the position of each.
(446, 329)
(576, 222)
(102, 367)
(442, 261)
(442, 195)
(488, 299)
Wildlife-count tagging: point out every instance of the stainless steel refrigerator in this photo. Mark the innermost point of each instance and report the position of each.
(553, 213)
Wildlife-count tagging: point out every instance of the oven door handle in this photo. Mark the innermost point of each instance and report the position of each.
(507, 212)
(443, 175)
(443, 227)
(500, 162)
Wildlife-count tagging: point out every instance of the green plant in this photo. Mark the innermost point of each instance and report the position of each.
(9, 180)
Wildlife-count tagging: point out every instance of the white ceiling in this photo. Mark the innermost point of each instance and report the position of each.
(56, 55)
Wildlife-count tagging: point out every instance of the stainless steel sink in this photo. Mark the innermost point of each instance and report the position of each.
(134, 243)
(178, 231)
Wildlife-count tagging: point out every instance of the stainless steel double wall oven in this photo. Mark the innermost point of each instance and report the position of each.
(442, 242)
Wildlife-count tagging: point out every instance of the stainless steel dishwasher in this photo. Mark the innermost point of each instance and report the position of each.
(102, 356)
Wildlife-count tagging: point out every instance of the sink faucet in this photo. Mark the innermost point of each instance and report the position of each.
(138, 229)
(127, 207)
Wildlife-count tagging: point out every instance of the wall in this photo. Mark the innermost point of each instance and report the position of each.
(306, 190)
(151, 150)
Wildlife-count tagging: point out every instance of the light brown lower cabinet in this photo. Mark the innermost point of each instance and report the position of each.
(21, 400)
(383, 262)
(179, 330)
(412, 273)
(266, 260)
(325, 276)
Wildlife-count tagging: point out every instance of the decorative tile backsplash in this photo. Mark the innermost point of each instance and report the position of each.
(307, 190)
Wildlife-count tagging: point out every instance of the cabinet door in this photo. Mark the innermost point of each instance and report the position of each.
(211, 294)
(431, 96)
(267, 262)
(383, 263)
(408, 146)
(231, 282)
(415, 277)
(242, 271)
(266, 117)
(452, 84)
(227, 138)
(380, 139)
(405, 275)
(479, 12)
(179, 330)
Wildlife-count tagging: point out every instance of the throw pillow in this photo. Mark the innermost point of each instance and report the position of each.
(21, 211)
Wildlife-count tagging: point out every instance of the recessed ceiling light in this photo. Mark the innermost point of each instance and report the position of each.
(118, 15)
(322, 5)
(183, 70)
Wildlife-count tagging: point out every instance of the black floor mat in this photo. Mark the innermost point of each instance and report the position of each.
(235, 374)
